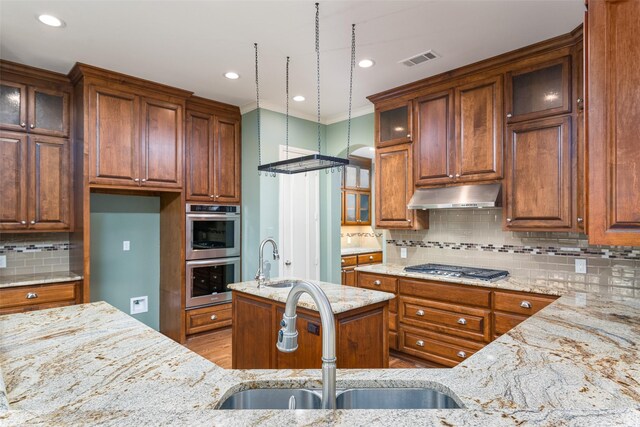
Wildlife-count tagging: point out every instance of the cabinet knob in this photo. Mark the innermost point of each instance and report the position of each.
(409, 221)
(32, 295)
(23, 125)
(508, 219)
(525, 304)
(457, 175)
(32, 222)
(462, 354)
(211, 196)
(214, 317)
(509, 115)
(371, 257)
(579, 219)
(420, 343)
(580, 103)
(23, 222)
(32, 126)
(377, 282)
(450, 176)
(136, 179)
(408, 135)
(144, 180)
(462, 321)
(420, 313)
(343, 261)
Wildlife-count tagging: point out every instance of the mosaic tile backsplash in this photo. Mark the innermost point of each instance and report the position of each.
(360, 237)
(474, 237)
(34, 253)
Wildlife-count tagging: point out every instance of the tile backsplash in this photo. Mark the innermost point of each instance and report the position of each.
(362, 236)
(474, 237)
(34, 253)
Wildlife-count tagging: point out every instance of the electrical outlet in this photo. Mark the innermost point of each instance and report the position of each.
(581, 266)
(403, 252)
(126, 245)
(139, 305)
(3, 261)
(348, 240)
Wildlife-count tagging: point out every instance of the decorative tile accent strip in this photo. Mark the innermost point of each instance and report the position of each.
(45, 247)
(361, 234)
(619, 252)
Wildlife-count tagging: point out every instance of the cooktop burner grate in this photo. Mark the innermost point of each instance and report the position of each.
(458, 271)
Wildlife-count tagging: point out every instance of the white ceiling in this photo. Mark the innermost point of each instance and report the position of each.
(191, 44)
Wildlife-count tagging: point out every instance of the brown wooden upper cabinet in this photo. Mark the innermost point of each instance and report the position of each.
(36, 186)
(213, 155)
(356, 192)
(539, 175)
(35, 109)
(394, 124)
(539, 90)
(613, 122)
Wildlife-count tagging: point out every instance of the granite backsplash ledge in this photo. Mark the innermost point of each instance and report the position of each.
(34, 253)
(475, 237)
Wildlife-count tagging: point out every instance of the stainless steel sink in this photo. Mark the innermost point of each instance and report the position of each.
(357, 398)
(283, 284)
(394, 398)
(273, 398)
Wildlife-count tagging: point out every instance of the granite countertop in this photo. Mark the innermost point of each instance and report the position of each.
(539, 286)
(357, 251)
(342, 298)
(38, 279)
(573, 363)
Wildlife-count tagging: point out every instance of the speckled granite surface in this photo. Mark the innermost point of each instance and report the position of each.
(574, 363)
(508, 283)
(356, 251)
(38, 279)
(342, 298)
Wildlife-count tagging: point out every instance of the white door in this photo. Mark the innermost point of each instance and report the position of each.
(299, 221)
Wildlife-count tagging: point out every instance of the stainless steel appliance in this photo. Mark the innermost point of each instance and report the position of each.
(208, 280)
(458, 271)
(213, 231)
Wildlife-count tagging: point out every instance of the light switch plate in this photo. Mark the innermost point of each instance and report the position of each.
(3, 261)
(581, 266)
(403, 252)
(139, 305)
(126, 245)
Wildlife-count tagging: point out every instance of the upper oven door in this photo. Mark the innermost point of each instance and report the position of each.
(212, 236)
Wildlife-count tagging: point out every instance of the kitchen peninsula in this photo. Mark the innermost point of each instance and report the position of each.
(360, 315)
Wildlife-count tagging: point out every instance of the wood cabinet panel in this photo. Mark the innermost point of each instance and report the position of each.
(393, 124)
(539, 175)
(613, 122)
(309, 344)
(370, 258)
(503, 323)
(227, 161)
(22, 296)
(393, 340)
(349, 260)
(49, 111)
(479, 119)
(377, 283)
(208, 318)
(393, 321)
(520, 303)
(199, 164)
(362, 340)
(13, 175)
(349, 276)
(431, 346)
(445, 292)
(252, 350)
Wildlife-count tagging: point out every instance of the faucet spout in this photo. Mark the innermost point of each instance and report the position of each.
(288, 336)
(260, 276)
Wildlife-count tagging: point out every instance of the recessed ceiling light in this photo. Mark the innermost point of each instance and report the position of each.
(366, 63)
(50, 20)
(231, 75)
(298, 98)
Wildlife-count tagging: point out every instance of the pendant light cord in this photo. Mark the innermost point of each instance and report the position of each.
(255, 45)
(353, 65)
(287, 119)
(318, 65)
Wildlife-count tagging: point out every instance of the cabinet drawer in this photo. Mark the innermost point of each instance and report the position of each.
(373, 258)
(207, 318)
(37, 295)
(445, 292)
(466, 322)
(377, 283)
(349, 260)
(393, 305)
(430, 346)
(526, 304)
(393, 340)
(393, 321)
(503, 323)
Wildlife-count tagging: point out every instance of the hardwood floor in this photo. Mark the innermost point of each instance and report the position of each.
(216, 346)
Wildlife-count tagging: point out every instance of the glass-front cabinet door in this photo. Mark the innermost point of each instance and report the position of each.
(364, 208)
(350, 208)
(539, 91)
(13, 106)
(394, 124)
(351, 176)
(48, 111)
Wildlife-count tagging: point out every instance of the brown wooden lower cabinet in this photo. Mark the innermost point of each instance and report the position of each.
(438, 348)
(208, 318)
(37, 297)
(503, 323)
(362, 336)
(350, 262)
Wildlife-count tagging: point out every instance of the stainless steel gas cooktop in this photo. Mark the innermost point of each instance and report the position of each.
(458, 271)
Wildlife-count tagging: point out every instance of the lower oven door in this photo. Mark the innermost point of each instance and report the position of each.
(208, 280)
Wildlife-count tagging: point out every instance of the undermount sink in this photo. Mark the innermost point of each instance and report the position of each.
(357, 398)
(283, 284)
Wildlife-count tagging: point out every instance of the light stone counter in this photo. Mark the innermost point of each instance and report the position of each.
(342, 298)
(509, 283)
(574, 363)
(38, 279)
(357, 251)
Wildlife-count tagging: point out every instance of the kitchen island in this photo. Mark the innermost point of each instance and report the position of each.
(361, 319)
(573, 363)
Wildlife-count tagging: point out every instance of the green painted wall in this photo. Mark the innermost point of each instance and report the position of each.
(116, 275)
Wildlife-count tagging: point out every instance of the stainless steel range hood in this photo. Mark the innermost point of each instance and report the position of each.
(463, 196)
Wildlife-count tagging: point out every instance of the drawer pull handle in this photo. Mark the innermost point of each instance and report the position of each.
(371, 257)
(377, 283)
(343, 261)
(214, 317)
(420, 343)
(462, 354)
(420, 313)
(462, 321)
(525, 304)
(32, 295)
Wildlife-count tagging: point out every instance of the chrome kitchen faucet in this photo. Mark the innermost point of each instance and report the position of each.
(260, 276)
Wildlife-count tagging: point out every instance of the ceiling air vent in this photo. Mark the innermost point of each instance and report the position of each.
(419, 59)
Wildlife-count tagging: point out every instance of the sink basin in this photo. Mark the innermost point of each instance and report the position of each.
(273, 398)
(283, 284)
(394, 398)
(357, 398)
